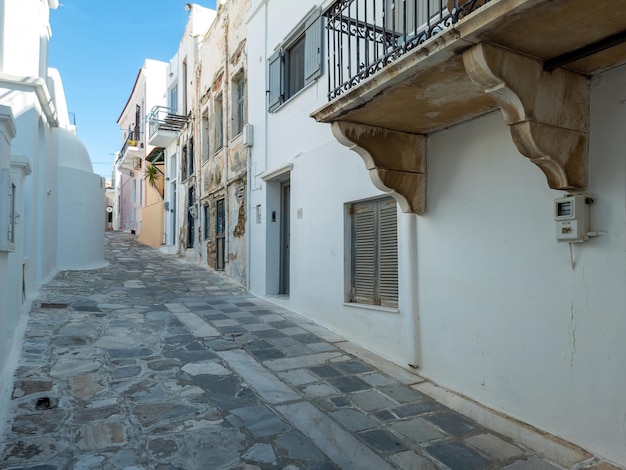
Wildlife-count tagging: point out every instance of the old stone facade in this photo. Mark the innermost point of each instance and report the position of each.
(221, 129)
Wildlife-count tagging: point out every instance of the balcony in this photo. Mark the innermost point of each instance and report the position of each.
(164, 126)
(132, 152)
(399, 70)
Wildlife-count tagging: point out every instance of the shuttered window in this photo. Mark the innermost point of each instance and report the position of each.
(297, 63)
(375, 253)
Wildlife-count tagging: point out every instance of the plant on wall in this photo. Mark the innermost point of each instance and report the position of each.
(152, 175)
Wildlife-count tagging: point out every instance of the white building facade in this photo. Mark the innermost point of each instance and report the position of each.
(50, 200)
(475, 294)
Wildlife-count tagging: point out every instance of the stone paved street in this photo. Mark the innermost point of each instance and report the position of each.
(152, 363)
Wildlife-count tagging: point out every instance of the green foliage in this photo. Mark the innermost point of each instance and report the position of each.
(152, 174)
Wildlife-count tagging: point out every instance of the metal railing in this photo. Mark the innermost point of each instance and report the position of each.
(364, 36)
(162, 118)
(132, 140)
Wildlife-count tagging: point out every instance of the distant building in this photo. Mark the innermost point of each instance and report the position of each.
(50, 200)
(225, 138)
(141, 203)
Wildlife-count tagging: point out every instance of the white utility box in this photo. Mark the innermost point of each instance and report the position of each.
(571, 214)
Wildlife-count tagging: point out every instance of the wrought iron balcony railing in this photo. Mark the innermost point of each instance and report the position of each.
(162, 118)
(364, 36)
(132, 140)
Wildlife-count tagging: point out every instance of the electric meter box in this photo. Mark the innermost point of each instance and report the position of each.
(571, 214)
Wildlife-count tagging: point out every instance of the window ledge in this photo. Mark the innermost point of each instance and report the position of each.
(372, 307)
(293, 97)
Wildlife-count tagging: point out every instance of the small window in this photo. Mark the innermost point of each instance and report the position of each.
(220, 235)
(173, 100)
(191, 217)
(297, 63)
(184, 158)
(185, 79)
(238, 118)
(205, 139)
(219, 123)
(374, 267)
(191, 157)
(206, 212)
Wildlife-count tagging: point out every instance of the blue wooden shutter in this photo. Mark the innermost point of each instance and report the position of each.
(276, 80)
(313, 47)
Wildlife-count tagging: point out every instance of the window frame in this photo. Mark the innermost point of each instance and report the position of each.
(173, 99)
(205, 138)
(238, 117)
(373, 246)
(218, 116)
(310, 28)
(206, 214)
(8, 208)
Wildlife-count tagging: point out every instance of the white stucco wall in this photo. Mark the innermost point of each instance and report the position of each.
(324, 178)
(80, 196)
(505, 318)
(37, 102)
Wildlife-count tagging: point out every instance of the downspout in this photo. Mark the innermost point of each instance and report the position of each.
(267, 87)
(412, 292)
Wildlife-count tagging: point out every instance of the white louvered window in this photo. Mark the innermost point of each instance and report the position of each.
(375, 253)
(297, 62)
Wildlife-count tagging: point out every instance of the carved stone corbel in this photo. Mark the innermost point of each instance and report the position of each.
(547, 112)
(395, 160)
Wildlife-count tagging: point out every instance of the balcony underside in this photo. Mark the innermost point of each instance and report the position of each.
(162, 138)
(128, 160)
(457, 75)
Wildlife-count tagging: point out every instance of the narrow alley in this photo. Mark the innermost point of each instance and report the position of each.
(152, 363)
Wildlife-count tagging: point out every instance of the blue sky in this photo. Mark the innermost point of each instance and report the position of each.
(98, 47)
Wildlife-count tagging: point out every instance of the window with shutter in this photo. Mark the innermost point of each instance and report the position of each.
(276, 80)
(375, 253)
(313, 47)
(296, 63)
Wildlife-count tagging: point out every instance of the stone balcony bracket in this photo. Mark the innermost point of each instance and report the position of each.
(396, 161)
(547, 112)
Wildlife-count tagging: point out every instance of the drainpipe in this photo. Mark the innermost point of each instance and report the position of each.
(267, 86)
(411, 321)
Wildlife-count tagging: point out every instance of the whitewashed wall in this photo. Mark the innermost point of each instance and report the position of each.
(35, 96)
(505, 318)
(324, 178)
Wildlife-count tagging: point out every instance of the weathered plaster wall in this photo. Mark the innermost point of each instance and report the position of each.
(223, 168)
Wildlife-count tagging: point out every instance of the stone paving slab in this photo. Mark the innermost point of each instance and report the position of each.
(153, 363)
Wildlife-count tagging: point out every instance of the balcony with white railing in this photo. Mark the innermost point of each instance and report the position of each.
(164, 126)
(399, 70)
